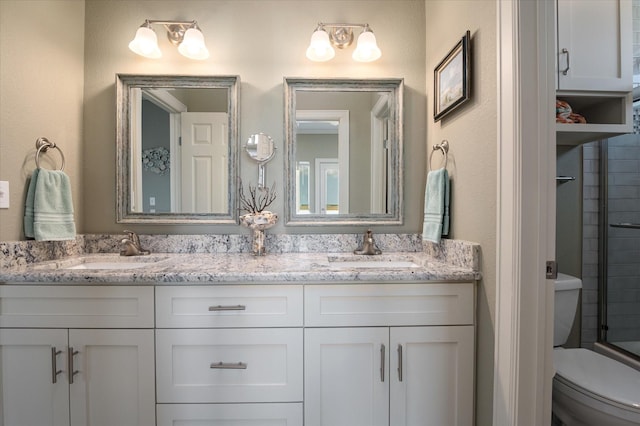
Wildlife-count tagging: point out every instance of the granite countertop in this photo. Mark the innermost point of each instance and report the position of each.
(212, 268)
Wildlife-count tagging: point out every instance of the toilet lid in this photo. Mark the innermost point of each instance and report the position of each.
(598, 374)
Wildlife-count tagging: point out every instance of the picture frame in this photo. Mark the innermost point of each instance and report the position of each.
(451, 79)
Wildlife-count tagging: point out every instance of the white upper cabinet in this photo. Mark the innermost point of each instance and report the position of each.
(594, 45)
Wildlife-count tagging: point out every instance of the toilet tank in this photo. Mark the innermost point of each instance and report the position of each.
(567, 290)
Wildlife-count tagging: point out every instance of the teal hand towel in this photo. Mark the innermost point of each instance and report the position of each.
(28, 208)
(436, 206)
(53, 207)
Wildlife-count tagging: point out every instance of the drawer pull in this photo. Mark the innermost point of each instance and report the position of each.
(54, 366)
(227, 308)
(229, 366)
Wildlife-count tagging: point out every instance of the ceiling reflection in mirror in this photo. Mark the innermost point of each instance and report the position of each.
(177, 149)
(344, 151)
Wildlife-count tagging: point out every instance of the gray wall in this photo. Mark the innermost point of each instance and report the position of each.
(472, 135)
(41, 94)
(569, 215)
(569, 210)
(155, 134)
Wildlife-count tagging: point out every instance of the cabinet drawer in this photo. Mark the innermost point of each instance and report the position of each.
(229, 365)
(57, 306)
(289, 414)
(389, 304)
(229, 306)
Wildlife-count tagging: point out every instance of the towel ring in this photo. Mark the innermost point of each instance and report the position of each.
(43, 144)
(444, 148)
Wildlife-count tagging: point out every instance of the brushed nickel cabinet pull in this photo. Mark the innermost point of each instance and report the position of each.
(382, 356)
(229, 365)
(72, 372)
(566, 70)
(400, 363)
(227, 308)
(54, 364)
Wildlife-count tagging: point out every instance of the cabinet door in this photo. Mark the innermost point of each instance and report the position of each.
(113, 377)
(594, 45)
(432, 380)
(346, 374)
(32, 394)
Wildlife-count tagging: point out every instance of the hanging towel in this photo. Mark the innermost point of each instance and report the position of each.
(436, 206)
(28, 208)
(52, 206)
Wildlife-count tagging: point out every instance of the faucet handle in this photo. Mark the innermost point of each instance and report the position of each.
(133, 237)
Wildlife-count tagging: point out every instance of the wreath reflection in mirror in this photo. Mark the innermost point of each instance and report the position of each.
(156, 160)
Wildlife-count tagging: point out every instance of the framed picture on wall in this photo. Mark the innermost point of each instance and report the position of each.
(451, 79)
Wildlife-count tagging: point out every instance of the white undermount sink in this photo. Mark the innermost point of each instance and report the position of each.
(371, 262)
(103, 262)
(111, 265)
(389, 264)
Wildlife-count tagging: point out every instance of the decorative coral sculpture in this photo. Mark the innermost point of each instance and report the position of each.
(257, 218)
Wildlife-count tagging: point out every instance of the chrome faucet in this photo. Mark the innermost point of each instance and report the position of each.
(368, 245)
(132, 245)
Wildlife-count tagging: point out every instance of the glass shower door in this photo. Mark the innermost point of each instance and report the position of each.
(620, 313)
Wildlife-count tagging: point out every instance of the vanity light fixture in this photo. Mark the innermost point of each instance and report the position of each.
(326, 36)
(184, 34)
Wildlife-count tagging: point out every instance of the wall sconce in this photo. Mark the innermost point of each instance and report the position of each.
(341, 36)
(184, 34)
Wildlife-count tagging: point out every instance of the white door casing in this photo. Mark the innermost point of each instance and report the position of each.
(523, 365)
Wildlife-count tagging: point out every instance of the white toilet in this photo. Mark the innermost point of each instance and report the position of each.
(588, 388)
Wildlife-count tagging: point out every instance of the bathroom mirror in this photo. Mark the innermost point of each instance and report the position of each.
(177, 139)
(343, 163)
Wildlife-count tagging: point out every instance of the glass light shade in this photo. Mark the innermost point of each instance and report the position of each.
(320, 49)
(367, 49)
(192, 45)
(145, 43)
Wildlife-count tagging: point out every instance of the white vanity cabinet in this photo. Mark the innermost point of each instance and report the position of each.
(229, 354)
(389, 354)
(77, 355)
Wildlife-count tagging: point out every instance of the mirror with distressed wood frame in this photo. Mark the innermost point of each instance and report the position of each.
(343, 140)
(177, 148)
